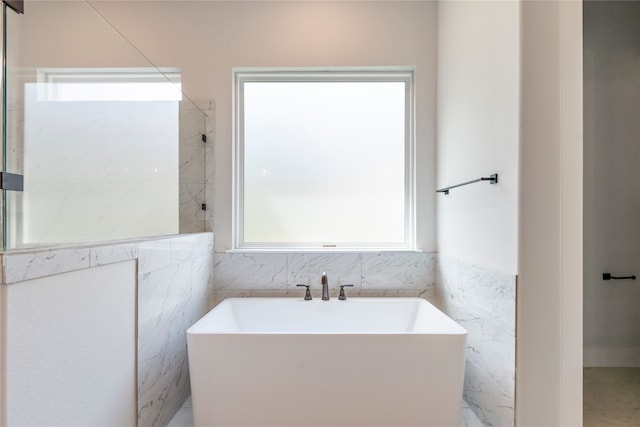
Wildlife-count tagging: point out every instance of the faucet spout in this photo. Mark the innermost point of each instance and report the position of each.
(325, 287)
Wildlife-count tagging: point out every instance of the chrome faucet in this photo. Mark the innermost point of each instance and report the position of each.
(325, 287)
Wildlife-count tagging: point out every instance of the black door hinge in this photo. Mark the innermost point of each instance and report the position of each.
(11, 181)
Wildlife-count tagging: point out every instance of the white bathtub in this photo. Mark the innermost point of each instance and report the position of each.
(364, 362)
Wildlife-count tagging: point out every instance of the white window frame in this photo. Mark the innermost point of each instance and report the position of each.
(48, 79)
(360, 74)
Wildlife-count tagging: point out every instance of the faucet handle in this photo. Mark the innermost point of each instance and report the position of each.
(307, 294)
(343, 296)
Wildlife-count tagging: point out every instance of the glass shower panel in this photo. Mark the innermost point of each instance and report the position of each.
(104, 139)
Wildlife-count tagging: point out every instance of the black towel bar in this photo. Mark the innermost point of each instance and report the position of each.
(493, 179)
(608, 276)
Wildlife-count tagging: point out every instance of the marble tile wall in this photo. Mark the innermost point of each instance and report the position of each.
(196, 163)
(174, 289)
(483, 301)
(400, 274)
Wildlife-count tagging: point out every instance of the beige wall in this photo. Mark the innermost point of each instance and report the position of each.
(206, 39)
(549, 300)
(478, 131)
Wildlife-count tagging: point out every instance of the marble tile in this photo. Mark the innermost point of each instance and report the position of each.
(102, 255)
(163, 299)
(181, 248)
(499, 355)
(341, 269)
(262, 274)
(220, 295)
(210, 132)
(490, 404)
(171, 299)
(447, 277)
(490, 346)
(191, 148)
(428, 294)
(473, 324)
(398, 270)
(483, 302)
(160, 292)
(192, 217)
(202, 245)
(187, 247)
(201, 288)
(158, 406)
(468, 418)
(184, 416)
(153, 255)
(31, 265)
(250, 271)
(493, 291)
(210, 168)
(192, 170)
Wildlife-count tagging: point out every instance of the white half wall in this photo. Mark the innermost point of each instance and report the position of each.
(70, 349)
(478, 131)
(68, 311)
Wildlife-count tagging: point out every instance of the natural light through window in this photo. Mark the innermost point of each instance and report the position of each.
(95, 84)
(324, 160)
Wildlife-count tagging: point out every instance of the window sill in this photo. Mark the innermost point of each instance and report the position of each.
(320, 250)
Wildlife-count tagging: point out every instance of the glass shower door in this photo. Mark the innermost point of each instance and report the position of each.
(109, 146)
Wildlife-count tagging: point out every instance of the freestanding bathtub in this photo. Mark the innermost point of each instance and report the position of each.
(364, 362)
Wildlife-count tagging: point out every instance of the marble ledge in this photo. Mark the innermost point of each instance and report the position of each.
(151, 253)
(221, 295)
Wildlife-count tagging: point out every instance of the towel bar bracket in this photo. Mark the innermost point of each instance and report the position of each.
(493, 179)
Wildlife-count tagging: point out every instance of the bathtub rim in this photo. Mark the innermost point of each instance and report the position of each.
(456, 328)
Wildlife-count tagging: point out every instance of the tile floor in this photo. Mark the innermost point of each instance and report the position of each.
(611, 397)
(184, 417)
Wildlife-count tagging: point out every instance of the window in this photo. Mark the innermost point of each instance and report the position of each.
(323, 159)
(109, 84)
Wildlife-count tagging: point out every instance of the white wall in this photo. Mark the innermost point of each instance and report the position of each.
(612, 183)
(70, 348)
(207, 39)
(478, 135)
(549, 306)
(478, 131)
